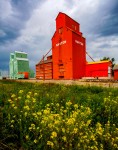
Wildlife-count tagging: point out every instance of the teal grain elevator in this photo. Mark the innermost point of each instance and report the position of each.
(19, 66)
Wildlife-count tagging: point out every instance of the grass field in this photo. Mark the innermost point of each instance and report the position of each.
(37, 116)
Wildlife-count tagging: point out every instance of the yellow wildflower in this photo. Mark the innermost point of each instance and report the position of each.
(50, 143)
(25, 114)
(71, 121)
(30, 128)
(15, 107)
(64, 138)
(12, 126)
(75, 114)
(27, 137)
(37, 128)
(68, 103)
(9, 100)
(19, 97)
(32, 125)
(63, 130)
(13, 95)
(75, 130)
(12, 121)
(26, 107)
(50, 125)
(21, 91)
(76, 106)
(88, 122)
(56, 122)
(39, 113)
(28, 96)
(53, 135)
(99, 129)
(35, 141)
(29, 93)
(33, 100)
(35, 94)
(46, 111)
(57, 104)
(65, 111)
(93, 137)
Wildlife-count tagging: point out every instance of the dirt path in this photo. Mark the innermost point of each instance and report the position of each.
(75, 82)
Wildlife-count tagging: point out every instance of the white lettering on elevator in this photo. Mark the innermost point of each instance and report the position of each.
(61, 43)
(78, 42)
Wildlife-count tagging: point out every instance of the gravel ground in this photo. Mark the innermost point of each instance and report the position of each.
(75, 82)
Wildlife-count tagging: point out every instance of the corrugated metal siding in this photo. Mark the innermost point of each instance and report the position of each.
(44, 71)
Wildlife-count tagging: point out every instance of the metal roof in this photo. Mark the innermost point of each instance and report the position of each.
(44, 62)
(25, 59)
(20, 52)
(98, 62)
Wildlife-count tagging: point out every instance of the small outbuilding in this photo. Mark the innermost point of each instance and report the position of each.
(99, 69)
(115, 72)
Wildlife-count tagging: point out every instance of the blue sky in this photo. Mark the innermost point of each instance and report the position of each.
(28, 25)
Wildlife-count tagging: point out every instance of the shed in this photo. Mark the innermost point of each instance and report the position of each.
(115, 72)
(99, 69)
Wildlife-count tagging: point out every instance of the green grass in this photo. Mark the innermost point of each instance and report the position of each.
(54, 116)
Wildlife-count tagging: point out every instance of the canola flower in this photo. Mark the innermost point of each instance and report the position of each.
(35, 94)
(33, 100)
(51, 144)
(35, 141)
(64, 138)
(26, 107)
(53, 135)
(13, 95)
(99, 129)
(12, 126)
(75, 106)
(9, 100)
(27, 137)
(28, 96)
(75, 130)
(69, 103)
(21, 91)
(15, 107)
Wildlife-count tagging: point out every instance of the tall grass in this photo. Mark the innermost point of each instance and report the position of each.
(52, 116)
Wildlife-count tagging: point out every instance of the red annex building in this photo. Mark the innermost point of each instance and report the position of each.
(115, 72)
(44, 69)
(99, 69)
(68, 59)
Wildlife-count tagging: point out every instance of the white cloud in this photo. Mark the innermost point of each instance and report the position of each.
(104, 46)
(39, 29)
(5, 9)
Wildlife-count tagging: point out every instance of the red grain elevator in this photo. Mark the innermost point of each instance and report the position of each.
(68, 49)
